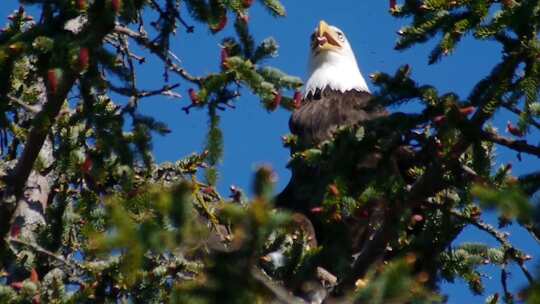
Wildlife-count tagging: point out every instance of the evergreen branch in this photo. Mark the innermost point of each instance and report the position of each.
(281, 294)
(516, 145)
(426, 186)
(29, 108)
(500, 237)
(432, 180)
(69, 263)
(205, 208)
(530, 183)
(43, 121)
(486, 94)
(535, 232)
(374, 249)
(517, 111)
(142, 39)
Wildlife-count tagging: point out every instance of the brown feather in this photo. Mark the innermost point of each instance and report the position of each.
(325, 111)
(314, 122)
(320, 115)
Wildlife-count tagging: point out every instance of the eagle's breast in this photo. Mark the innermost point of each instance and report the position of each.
(323, 111)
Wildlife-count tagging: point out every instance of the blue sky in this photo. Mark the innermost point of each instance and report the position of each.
(252, 135)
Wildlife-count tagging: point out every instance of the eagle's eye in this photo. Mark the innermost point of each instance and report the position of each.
(340, 36)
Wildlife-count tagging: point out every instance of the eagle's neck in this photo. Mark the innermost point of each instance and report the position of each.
(335, 71)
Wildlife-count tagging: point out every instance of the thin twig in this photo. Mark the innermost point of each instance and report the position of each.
(504, 280)
(143, 40)
(165, 90)
(526, 272)
(115, 44)
(189, 28)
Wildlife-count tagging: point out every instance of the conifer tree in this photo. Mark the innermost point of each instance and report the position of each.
(88, 216)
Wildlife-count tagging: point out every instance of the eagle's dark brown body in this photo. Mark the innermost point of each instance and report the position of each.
(320, 115)
(324, 111)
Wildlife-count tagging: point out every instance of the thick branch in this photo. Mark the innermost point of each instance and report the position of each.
(42, 123)
(374, 250)
(281, 294)
(29, 108)
(516, 145)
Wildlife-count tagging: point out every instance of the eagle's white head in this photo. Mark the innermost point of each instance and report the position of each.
(332, 62)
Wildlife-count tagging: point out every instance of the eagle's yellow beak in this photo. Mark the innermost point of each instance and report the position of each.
(325, 38)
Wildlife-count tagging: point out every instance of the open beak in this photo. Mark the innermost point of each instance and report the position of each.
(325, 38)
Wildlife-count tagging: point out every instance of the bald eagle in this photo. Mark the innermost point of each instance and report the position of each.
(336, 95)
